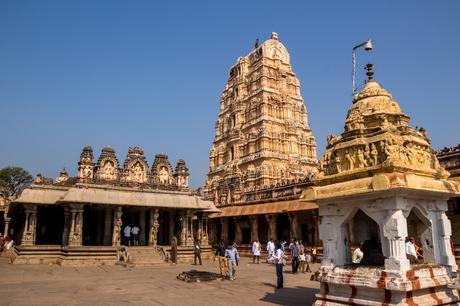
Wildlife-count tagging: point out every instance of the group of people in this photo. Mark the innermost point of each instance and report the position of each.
(370, 252)
(301, 255)
(131, 235)
(228, 257)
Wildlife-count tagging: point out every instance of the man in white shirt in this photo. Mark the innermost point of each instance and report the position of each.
(127, 235)
(410, 250)
(135, 231)
(270, 247)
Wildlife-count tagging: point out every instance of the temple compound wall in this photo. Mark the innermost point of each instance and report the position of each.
(89, 212)
(263, 152)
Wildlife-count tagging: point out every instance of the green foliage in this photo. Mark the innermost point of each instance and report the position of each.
(14, 180)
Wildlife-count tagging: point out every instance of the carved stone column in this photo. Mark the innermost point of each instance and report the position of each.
(7, 225)
(190, 238)
(444, 231)
(395, 230)
(183, 228)
(142, 226)
(271, 219)
(254, 228)
(107, 226)
(224, 228)
(30, 226)
(117, 223)
(204, 238)
(154, 225)
(317, 222)
(172, 225)
(76, 225)
(65, 232)
(238, 232)
(293, 218)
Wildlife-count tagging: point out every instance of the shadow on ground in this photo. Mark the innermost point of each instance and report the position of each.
(290, 296)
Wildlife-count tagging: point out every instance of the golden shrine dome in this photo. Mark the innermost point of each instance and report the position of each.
(377, 138)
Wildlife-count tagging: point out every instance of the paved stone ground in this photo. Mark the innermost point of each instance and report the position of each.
(158, 285)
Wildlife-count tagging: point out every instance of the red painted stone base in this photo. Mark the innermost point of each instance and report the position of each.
(422, 285)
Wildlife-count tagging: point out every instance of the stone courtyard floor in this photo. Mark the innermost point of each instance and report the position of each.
(157, 285)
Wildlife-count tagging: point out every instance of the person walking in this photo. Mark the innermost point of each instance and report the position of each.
(220, 253)
(279, 263)
(233, 258)
(127, 235)
(135, 231)
(270, 249)
(294, 247)
(302, 250)
(256, 248)
(197, 249)
(308, 260)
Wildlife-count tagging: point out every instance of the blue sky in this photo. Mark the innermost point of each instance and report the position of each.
(150, 73)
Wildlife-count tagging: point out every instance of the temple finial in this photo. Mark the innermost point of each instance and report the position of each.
(256, 45)
(370, 71)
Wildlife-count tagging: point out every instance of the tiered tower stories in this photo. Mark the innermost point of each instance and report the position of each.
(262, 133)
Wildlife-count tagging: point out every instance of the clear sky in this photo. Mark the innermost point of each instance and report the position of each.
(150, 73)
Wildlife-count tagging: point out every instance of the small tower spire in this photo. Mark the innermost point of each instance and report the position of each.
(369, 71)
(256, 45)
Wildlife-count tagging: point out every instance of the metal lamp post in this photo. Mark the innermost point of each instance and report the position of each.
(368, 47)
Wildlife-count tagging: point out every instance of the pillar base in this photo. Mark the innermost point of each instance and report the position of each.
(420, 285)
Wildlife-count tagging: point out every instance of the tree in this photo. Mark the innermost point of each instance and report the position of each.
(14, 180)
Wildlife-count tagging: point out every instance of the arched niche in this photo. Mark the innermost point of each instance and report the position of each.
(360, 229)
(420, 227)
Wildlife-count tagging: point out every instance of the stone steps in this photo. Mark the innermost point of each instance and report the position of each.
(144, 256)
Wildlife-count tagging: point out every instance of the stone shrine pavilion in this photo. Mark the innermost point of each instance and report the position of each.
(82, 218)
(379, 183)
(263, 152)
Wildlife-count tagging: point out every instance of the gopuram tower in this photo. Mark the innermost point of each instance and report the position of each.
(262, 135)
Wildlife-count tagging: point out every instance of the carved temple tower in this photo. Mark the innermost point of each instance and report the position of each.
(262, 135)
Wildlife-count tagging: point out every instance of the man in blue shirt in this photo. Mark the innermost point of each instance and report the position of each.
(233, 257)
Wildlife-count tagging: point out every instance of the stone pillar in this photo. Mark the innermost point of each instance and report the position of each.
(238, 232)
(442, 233)
(107, 226)
(202, 233)
(7, 225)
(142, 227)
(183, 229)
(30, 226)
(172, 225)
(190, 238)
(65, 232)
(271, 219)
(76, 225)
(117, 223)
(224, 229)
(293, 219)
(254, 228)
(395, 231)
(154, 225)
(329, 238)
(317, 222)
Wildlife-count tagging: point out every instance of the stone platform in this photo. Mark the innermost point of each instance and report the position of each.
(421, 285)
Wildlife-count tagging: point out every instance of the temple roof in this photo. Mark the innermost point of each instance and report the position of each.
(377, 138)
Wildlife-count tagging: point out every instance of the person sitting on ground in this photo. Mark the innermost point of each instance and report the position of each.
(372, 252)
(256, 248)
(357, 254)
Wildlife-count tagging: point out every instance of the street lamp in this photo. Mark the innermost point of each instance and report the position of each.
(368, 47)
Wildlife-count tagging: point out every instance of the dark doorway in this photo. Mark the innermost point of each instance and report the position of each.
(262, 226)
(231, 229)
(245, 230)
(50, 225)
(283, 227)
